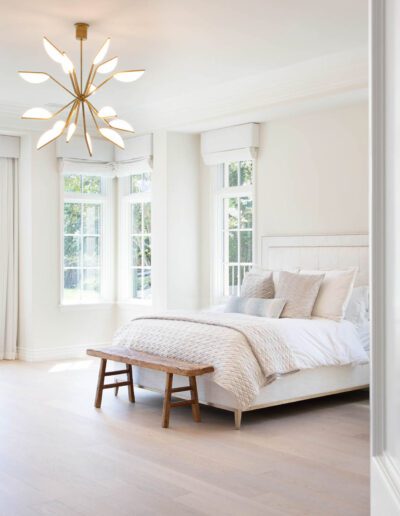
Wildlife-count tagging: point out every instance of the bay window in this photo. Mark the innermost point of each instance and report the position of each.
(85, 242)
(235, 228)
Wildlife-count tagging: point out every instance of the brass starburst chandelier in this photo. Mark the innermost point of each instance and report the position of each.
(105, 119)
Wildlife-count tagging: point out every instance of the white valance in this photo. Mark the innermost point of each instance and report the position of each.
(9, 146)
(237, 143)
(85, 167)
(105, 169)
(127, 168)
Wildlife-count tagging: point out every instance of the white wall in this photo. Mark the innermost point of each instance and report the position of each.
(312, 178)
(48, 330)
(183, 275)
(312, 173)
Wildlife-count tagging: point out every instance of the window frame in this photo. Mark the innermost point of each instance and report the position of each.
(125, 201)
(220, 173)
(106, 240)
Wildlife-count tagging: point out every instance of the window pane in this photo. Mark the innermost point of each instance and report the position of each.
(72, 251)
(233, 174)
(232, 206)
(243, 270)
(91, 219)
(246, 248)
(72, 218)
(91, 184)
(137, 283)
(147, 217)
(246, 172)
(147, 251)
(91, 251)
(246, 212)
(136, 218)
(233, 280)
(233, 246)
(146, 182)
(72, 183)
(146, 283)
(137, 251)
(72, 279)
(91, 284)
(136, 183)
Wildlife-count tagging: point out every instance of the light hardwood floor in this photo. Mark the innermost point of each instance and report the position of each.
(60, 456)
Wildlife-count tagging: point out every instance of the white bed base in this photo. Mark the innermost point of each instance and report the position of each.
(322, 252)
(306, 384)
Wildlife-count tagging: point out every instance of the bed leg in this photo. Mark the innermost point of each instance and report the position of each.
(238, 419)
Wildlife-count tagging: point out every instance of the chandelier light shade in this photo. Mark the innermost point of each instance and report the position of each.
(105, 120)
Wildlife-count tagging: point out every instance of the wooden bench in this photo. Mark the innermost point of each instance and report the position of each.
(168, 365)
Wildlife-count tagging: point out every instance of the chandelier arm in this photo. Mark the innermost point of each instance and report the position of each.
(93, 108)
(93, 115)
(89, 79)
(77, 112)
(62, 109)
(74, 81)
(71, 112)
(85, 129)
(100, 85)
(62, 86)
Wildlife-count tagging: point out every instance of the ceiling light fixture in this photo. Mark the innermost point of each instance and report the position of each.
(105, 119)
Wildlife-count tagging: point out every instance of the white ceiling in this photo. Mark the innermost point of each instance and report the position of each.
(185, 46)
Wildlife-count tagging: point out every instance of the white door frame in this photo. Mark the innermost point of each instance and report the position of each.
(385, 476)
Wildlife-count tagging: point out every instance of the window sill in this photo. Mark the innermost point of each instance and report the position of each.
(135, 302)
(101, 305)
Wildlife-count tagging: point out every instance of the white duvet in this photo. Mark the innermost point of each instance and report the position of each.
(247, 352)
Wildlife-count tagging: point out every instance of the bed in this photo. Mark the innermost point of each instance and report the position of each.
(287, 253)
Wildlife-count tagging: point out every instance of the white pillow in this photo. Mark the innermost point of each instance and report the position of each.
(357, 310)
(334, 294)
(255, 306)
(300, 292)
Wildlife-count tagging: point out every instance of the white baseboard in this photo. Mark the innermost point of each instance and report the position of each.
(56, 352)
(385, 488)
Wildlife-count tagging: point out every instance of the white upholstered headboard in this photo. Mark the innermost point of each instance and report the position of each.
(317, 253)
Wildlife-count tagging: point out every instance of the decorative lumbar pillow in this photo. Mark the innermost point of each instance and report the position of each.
(256, 306)
(357, 310)
(258, 284)
(334, 294)
(300, 292)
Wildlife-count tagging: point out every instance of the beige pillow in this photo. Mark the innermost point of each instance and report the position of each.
(259, 285)
(275, 273)
(334, 294)
(300, 292)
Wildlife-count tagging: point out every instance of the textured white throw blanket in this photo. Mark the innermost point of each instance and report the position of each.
(247, 352)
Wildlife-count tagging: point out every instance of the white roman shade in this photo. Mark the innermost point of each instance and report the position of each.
(9, 146)
(135, 158)
(85, 167)
(236, 143)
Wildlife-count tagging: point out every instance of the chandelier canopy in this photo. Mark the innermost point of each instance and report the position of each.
(105, 119)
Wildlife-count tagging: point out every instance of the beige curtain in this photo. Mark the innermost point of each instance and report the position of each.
(8, 258)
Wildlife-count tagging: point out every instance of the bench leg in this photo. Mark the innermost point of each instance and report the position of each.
(100, 383)
(167, 400)
(195, 399)
(131, 391)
